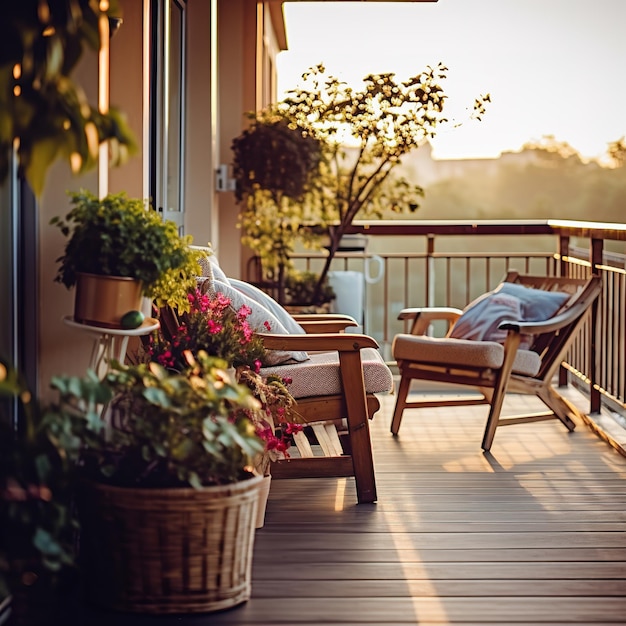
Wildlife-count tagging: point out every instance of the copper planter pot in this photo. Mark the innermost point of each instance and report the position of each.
(104, 300)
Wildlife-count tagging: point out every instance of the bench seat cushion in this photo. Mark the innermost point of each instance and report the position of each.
(319, 376)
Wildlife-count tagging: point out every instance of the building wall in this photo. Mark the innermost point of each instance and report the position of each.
(61, 350)
(224, 81)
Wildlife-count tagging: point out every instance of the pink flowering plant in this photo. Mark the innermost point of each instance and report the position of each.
(212, 325)
(276, 420)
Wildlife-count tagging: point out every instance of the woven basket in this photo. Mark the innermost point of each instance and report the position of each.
(168, 550)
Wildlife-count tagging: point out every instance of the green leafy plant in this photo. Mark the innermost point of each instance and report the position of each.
(300, 288)
(120, 236)
(361, 136)
(41, 106)
(172, 429)
(38, 460)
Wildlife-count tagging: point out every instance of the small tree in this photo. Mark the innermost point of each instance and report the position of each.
(362, 136)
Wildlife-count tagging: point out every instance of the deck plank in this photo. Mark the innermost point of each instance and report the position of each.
(533, 532)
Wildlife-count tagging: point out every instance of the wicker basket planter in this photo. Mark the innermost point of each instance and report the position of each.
(168, 550)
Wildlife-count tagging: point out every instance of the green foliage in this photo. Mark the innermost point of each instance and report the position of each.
(300, 288)
(119, 236)
(40, 105)
(177, 429)
(274, 156)
(37, 474)
(363, 136)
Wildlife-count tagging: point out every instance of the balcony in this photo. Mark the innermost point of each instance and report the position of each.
(531, 533)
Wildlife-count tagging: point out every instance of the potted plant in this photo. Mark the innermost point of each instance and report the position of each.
(361, 137)
(168, 498)
(38, 524)
(301, 295)
(119, 250)
(274, 161)
(212, 325)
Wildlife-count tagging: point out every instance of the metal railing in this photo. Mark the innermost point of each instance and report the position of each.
(450, 264)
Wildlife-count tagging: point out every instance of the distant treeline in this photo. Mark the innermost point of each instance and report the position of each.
(539, 182)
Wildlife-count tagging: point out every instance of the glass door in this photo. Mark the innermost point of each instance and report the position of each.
(167, 105)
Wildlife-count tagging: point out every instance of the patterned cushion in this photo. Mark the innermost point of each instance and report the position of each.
(509, 301)
(451, 351)
(537, 304)
(320, 375)
(210, 266)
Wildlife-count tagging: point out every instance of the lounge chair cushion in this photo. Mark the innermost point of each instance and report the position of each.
(451, 351)
(481, 318)
(320, 376)
(509, 301)
(537, 304)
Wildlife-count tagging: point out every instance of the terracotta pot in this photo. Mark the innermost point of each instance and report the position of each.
(104, 300)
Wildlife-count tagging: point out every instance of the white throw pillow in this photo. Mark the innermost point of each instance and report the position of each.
(293, 328)
(260, 319)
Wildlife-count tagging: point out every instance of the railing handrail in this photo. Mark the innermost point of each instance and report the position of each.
(600, 357)
(571, 228)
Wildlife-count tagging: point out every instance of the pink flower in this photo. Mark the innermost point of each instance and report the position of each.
(292, 429)
(214, 327)
(268, 327)
(243, 312)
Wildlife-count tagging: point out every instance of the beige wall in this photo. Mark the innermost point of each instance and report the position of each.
(126, 83)
(61, 350)
(243, 25)
(223, 84)
(236, 54)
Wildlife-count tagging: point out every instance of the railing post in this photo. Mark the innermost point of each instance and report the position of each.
(563, 252)
(430, 272)
(595, 257)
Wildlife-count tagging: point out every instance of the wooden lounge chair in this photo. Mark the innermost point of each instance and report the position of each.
(334, 380)
(336, 394)
(491, 367)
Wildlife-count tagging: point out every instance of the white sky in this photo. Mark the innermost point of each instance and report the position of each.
(552, 67)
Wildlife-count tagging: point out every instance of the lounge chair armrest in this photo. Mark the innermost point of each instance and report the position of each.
(339, 342)
(431, 313)
(305, 317)
(325, 323)
(423, 317)
(548, 326)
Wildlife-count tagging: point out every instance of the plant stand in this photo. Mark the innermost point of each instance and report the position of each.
(110, 343)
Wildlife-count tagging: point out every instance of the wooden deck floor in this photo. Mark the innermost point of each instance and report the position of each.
(532, 533)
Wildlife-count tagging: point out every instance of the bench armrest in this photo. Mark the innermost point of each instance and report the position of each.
(338, 342)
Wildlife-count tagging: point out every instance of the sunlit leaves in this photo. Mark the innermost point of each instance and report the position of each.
(42, 107)
(363, 135)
